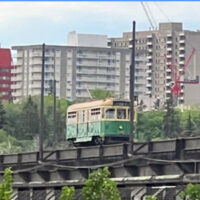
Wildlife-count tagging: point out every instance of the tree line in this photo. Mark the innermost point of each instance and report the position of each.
(169, 122)
(20, 122)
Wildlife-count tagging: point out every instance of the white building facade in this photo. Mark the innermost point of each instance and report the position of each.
(76, 70)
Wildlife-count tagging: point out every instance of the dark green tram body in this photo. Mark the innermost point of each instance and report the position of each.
(84, 132)
(88, 121)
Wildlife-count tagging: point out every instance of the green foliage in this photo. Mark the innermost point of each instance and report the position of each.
(9, 144)
(150, 198)
(67, 193)
(61, 108)
(30, 119)
(99, 187)
(100, 94)
(2, 115)
(171, 121)
(149, 125)
(22, 123)
(192, 192)
(6, 185)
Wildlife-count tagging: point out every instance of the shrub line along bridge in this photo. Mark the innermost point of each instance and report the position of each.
(162, 168)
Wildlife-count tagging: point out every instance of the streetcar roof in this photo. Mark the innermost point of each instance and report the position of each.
(90, 104)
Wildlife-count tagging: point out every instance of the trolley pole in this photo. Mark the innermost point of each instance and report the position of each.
(131, 90)
(41, 136)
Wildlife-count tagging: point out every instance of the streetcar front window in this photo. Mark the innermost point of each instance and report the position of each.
(121, 113)
(110, 113)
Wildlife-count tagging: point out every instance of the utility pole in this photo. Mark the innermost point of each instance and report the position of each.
(41, 136)
(131, 90)
(54, 110)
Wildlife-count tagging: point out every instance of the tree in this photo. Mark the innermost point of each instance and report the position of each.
(192, 192)
(100, 94)
(171, 121)
(190, 127)
(6, 185)
(2, 115)
(30, 119)
(67, 193)
(13, 124)
(100, 187)
(149, 125)
(150, 198)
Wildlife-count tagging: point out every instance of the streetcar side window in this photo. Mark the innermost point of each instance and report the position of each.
(110, 113)
(71, 118)
(121, 113)
(95, 114)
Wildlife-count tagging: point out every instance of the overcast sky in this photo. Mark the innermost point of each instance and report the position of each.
(24, 23)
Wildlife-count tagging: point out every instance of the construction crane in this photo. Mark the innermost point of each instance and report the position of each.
(176, 87)
(176, 84)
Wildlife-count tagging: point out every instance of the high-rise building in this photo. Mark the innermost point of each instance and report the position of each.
(5, 74)
(167, 51)
(86, 40)
(77, 70)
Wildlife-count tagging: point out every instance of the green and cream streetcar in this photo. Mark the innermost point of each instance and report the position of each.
(98, 121)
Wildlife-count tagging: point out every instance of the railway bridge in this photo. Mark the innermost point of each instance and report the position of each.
(160, 168)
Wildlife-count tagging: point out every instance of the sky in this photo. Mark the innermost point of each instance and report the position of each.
(26, 23)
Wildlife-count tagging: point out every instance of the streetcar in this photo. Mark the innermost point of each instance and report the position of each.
(98, 122)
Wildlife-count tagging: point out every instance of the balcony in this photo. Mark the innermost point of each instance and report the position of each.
(168, 70)
(36, 54)
(169, 55)
(167, 91)
(18, 70)
(168, 62)
(182, 41)
(149, 78)
(36, 85)
(169, 35)
(168, 77)
(19, 62)
(149, 71)
(182, 48)
(149, 43)
(181, 62)
(169, 48)
(49, 62)
(180, 69)
(149, 57)
(16, 86)
(16, 78)
(37, 62)
(149, 36)
(169, 42)
(148, 92)
(181, 55)
(149, 64)
(168, 84)
(36, 77)
(148, 85)
(36, 69)
(19, 54)
(49, 54)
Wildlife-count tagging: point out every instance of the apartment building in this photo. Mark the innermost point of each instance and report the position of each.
(167, 51)
(5, 74)
(77, 69)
